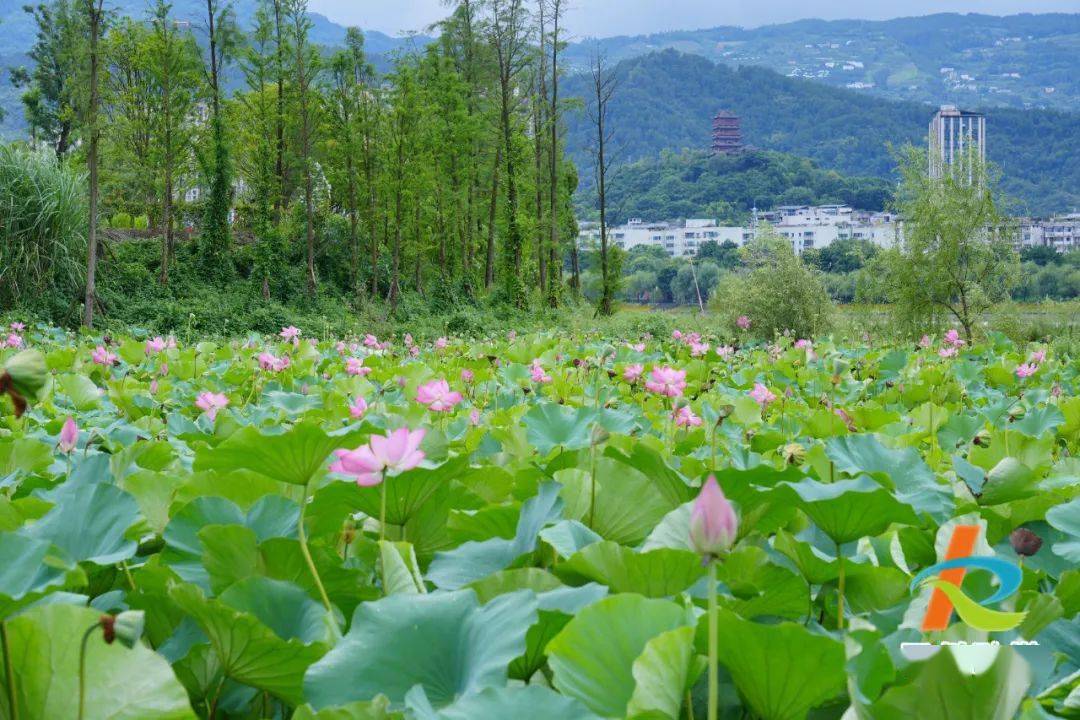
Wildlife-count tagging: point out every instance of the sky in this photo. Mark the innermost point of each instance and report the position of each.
(603, 18)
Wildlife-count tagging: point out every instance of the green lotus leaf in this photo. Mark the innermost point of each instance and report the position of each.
(29, 569)
(295, 456)
(249, 651)
(664, 673)
(121, 683)
(850, 509)
(89, 522)
(592, 659)
(521, 703)
(655, 573)
(446, 642)
(1066, 518)
(782, 671)
(550, 426)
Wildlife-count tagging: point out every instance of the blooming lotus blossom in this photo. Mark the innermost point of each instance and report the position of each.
(666, 381)
(17, 326)
(713, 522)
(355, 366)
(154, 345)
(408, 340)
(924, 341)
(291, 333)
(358, 408)
(272, 363)
(1038, 356)
(340, 347)
(536, 371)
(371, 341)
(467, 375)
(676, 334)
(638, 347)
(725, 350)
(414, 350)
(210, 403)
(438, 396)
(804, 344)
(947, 352)
(69, 436)
(952, 337)
(369, 464)
(103, 357)
(1026, 370)
(474, 417)
(14, 340)
(441, 343)
(697, 349)
(762, 395)
(685, 417)
(631, 373)
(743, 322)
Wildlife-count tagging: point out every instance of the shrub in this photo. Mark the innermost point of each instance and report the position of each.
(42, 219)
(121, 221)
(778, 294)
(142, 222)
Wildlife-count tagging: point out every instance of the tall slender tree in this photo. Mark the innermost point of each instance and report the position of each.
(555, 261)
(95, 13)
(603, 87)
(215, 233)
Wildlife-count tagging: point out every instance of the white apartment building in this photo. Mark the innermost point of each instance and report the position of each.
(1061, 232)
(805, 227)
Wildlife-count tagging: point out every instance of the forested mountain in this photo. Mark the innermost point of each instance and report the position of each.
(1016, 61)
(666, 101)
(695, 183)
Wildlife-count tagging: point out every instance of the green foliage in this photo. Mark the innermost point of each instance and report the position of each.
(43, 235)
(121, 221)
(778, 293)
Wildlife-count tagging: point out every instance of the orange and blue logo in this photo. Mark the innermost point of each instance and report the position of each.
(945, 578)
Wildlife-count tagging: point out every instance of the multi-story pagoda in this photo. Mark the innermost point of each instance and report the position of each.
(726, 134)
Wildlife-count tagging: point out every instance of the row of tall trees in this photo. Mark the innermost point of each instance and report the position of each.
(443, 175)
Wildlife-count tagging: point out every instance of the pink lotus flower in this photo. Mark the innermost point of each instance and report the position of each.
(666, 381)
(210, 403)
(762, 395)
(713, 522)
(441, 343)
(154, 345)
(474, 417)
(952, 337)
(803, 344)
(358, 408)
(355, 366)
(743, 322)
(340, 347)
(697, 349)
(103, 357)
(632, 372)
(725, 351)
(408, 340)
(676, 334)
(924, 341)
(69, 436)
(536, 371)
(164, 369)
(638, 347)
(14, 340)
(153, 387)
(467, 375)
(371, 341)
(395, 452)
(290, 333)
(1026, 370)
(1038, 356)
(685, 417)
(17, 326)
(414, 350)
(947, 352)
(438, 396)
(272, 363)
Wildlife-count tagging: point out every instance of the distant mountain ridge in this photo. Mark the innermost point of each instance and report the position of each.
(665, 102)
(1021, 60)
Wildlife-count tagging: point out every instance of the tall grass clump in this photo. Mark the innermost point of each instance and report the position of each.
(42, 228)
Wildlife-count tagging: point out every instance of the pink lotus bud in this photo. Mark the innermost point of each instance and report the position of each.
(69, 436)
(713, 522)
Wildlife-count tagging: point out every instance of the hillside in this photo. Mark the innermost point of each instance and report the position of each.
(698, 184)
(1013, 61)
(665, 101)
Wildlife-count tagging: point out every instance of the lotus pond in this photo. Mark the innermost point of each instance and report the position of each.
(307, 528)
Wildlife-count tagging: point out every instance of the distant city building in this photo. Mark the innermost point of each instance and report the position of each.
(726, 134)
(1061, 232)
(954, 135)
(806, 227)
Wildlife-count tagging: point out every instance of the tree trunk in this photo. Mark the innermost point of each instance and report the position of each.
(489, 267)
(95, 10)
(555, 262)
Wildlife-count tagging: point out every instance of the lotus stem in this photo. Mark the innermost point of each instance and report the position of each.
(82, 668)
(714, 642)
(382, 510)
(9, 672)
(302, 536)
(840, 589)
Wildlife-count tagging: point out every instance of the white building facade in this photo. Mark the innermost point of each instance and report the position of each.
(1061, 232)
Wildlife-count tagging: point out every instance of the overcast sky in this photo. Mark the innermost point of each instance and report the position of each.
(601, 18)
